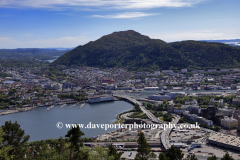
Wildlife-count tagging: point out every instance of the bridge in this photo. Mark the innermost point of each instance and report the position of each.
(144, 110)
(166, 133)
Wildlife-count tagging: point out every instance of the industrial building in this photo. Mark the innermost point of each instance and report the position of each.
(224, 140)
(167, 96)
(100, 99)
(229, 122)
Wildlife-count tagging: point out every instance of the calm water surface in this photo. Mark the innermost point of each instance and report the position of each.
(41, 124)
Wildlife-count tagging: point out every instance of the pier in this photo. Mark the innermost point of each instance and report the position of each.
(82, 105)
(49, 107)
(62, 106)
(73, 105)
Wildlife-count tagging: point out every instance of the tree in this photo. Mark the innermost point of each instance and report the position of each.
(112, 151)
(227, 157)
(137, 107)
(217, 128)
(15, 137)
(212, 158)
(144, 104)
(143, 148)
(101, 152)
(59, 145)
(191, 157)
(4, 149)
(74, 136)
(163, 157)
(149, 106)
(174, 153)
(152, 156)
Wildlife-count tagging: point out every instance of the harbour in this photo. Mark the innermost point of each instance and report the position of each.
(38, 121)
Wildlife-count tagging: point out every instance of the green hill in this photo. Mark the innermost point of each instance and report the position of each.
(134, 51)
(209, 54)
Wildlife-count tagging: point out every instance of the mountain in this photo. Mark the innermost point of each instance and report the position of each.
(134, 51)
(209, 54)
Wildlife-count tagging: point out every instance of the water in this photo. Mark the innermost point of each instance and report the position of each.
(41, 124)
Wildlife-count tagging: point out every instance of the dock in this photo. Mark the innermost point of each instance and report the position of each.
(73, 105)
(49, 107)
(62, 106)
(82, 105)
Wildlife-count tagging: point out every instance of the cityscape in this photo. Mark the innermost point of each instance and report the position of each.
(119, 80)
(208, 97)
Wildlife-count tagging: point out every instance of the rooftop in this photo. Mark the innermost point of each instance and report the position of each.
(226, 139)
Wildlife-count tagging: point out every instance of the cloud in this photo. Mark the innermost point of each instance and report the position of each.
(126, 15)
(66, 42)
(117, 4)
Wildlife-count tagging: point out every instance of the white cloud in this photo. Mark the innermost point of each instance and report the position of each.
(66, 42)
(119, 4)
(126, 15)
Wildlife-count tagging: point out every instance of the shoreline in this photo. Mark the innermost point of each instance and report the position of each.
(18, 110)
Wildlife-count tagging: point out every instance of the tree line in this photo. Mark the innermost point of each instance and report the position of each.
(14, 145)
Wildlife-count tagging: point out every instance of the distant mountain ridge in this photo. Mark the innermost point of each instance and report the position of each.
(232, 42)
(134, 51)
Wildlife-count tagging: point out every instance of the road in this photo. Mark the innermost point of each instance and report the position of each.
(165, 134)
(144, 110)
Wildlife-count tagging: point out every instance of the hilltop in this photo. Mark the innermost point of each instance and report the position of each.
(134, 51)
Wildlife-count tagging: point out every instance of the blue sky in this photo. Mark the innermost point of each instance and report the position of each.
(69, 23)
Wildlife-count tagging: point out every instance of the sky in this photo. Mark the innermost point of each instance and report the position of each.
(70, 23)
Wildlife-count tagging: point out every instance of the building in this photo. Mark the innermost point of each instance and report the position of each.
(100, 99)
(196, 145)
(225, 141)
(233, 86)
(184, 70)
(225, 111)
(109, 81)
(212, 70)
(157, 73)
(151, 88)
(159, 97)
(224, 70)
(229, 123)
(220, 103)
(236, 101)
(170, 108)
(167, 71)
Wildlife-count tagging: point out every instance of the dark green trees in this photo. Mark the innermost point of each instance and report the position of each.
(191, 157)
(3, 148)
(15, 137)
(74, 136)
(212, 158)
(227, 157)
(163, 157)
(174, 153)
(143, 148)
(112, 151)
